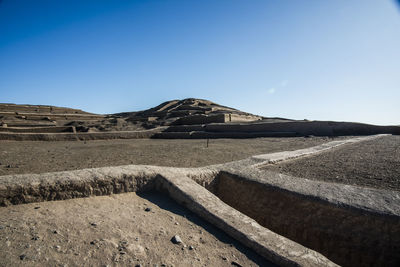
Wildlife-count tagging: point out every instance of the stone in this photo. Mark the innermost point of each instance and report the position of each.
(176, 239)
(191, 247)
(147, 209)
(22, 257)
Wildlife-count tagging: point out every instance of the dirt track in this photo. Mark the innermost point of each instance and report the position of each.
(17, 157)
(373, 163)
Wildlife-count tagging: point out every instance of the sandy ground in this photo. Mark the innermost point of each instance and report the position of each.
(17, 157)
(373, 163)
(115, 231)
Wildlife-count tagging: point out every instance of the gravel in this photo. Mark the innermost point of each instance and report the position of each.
(73, 155)
(374, 163)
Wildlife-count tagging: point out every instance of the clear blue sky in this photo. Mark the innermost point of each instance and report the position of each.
(325, 60)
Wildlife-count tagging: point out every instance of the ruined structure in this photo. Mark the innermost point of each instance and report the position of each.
(288, 220)
(188, 118)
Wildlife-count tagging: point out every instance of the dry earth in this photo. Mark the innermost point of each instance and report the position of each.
(17, 157)
(115, 230)
(374, 163)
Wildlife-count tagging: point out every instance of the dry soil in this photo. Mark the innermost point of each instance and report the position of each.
(374, 163)
(115, 230)
(17, 157)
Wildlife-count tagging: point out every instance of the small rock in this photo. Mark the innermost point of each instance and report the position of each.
(1, 227)
(35, 238)
(22, 257)
(234, 263)
(58, 248)
(36, 208)
(93, 242)
(122, 252)
(224, 258)
(8, 166)
(191, 247)
(138, 265)
(55, 232)
(147, 209)
(93, 224)
(176, 239)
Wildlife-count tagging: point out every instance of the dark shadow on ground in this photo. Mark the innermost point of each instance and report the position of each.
(164, 202)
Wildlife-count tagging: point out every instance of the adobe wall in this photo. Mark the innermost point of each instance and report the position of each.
(53, 129)
(77, 136)
(200, 119)
(317, 128)
(347, 235)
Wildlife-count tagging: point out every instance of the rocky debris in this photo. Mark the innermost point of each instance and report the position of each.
(93, 224)
(147, 209)
(22, 257)
(176, 239)
(234, 263)
(191, 247)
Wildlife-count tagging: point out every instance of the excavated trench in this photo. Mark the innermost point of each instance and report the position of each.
(344, 234)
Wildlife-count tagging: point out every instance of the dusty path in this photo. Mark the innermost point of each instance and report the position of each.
(374, 163)
(17, 157)
(114, 230)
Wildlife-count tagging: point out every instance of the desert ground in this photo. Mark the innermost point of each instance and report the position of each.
(115, 231)
(374, 163)
(17, 157)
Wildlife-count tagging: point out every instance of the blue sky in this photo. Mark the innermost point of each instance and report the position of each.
(323, 60)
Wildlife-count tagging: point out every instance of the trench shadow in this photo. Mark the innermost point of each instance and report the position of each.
(166, 203)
